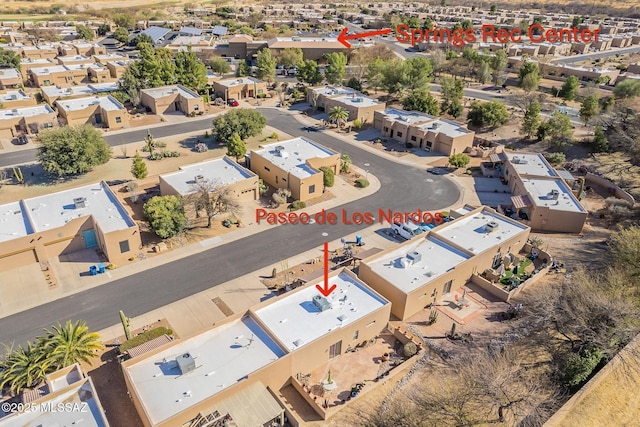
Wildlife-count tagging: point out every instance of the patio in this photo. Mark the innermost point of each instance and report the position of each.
(459, 306)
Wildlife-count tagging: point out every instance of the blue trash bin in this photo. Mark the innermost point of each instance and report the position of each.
(101, 268)
(358, 240)
(93, 270)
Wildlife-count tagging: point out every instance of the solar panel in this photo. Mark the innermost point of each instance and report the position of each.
(219, 30)
(156, 33)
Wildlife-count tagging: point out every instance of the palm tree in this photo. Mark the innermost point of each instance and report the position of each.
(71, 343)
(339, 116)
(24, 368)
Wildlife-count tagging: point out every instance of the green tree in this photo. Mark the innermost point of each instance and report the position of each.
(354, 83)
(345, 163)
(121, 34)
(393, 76)
(309, 72)
(531, 120)
(142, 38)
(67, 344)
(214, 199)
(9, 59)
(491, 114)
(236, 147)
(154, 68)
(336, 67)
(498, 63)
(290, 57)
(569, 88)
(25, 367)
(493, 9)
(190, 71)
(245, 122)
(219, 65)
(483, 72)
(625, 249)
(459, 160)
(339, 116)
(558, 130)
(452, 91)
(68, 151)
(243, 69)
(265, 65)
(575, 23)
(328, 176)
(530, 83)
(103, 29)
(84, 32)
(599, 144)
(421, 100)
(580, 365)
(125, 20)
(589, 108)
(417, 73)
(165, 215)
(628, 88)
(139, 167)
(375, 70)
(608, 103)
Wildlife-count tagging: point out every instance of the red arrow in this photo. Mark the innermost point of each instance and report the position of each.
(343, 37)
(326, 290)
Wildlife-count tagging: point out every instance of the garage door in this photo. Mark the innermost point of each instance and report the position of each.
(17, 259)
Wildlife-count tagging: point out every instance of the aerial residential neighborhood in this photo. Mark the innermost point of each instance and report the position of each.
(257, 214)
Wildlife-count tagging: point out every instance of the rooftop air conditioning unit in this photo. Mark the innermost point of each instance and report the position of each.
(554, 194)
(436, 125)
(321, 303)
(198, 178)
(491, 226)
(80, 202)
(414, 257)
(516, 160)
(186, 363)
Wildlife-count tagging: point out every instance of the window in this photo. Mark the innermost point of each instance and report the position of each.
(496, 260)
(386, 129)
(267, 169)
(335, 350)
(118, 119)
(371, 323)
(447, 287)
(355, 335)
(260, 91)
(46, 83)
(48, 125)
(124, 246)
(284, 179)
(312, 189)
(399, 134)
(196, 107)
(276, 179)
(413, 137)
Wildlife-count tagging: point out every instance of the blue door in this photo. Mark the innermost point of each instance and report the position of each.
(90, 239)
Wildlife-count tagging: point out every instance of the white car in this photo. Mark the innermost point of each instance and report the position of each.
(408, 230)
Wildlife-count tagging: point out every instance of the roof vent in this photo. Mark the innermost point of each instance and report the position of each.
(491, 226)
(414, 257)
(321, 303)
(554, 194)
(198, 178)
(186, 363)
(80, 202)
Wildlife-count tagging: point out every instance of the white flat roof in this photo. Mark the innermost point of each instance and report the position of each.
(223, 355)
(409, 117)
(9, 73)
(13, 222)
(36, 61)
(111, 57)
(358, 100)
(535, 164)
(83, 393)
(79, 89)
(56, 209)
(446, 127)
(294, 154)
(334, 90)
(469, 231)
(296, 321)
(25, 111)
(540, 190)
(45, 71)
(72, 58)
(107, 103)
(436, 258)
(161, 92)
(221, 171)
(14, 95)
(238, 81)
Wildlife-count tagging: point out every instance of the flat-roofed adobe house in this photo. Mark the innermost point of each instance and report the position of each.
(222, 172)
(359, 106)
(239, 88)
(424, 131)
(243, 361)
(10, 78)
(26, 120)
(294, 164)
(15, 98)
(166, 99)
(59, 223)
(104, 111)
(53, 93)
(424, 269)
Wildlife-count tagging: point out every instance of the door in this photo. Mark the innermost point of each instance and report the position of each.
(447, 287)
(335, 350)
(391, 134)
(98, 118)
(90, 239)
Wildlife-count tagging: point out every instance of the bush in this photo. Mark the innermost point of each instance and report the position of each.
(555, 158)
(156, 144)
(275, 136)
(200, 147)
(410, 349)
(357, 124)
(459, 160)
(581, 365)
(262, 95)
(156, 156)
(298, 205)
(362, 183)
(170, 154)
(144, 337)
(328, 176)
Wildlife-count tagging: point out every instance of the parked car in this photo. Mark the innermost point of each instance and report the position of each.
(408, 230)
(232, 102)
(22, 139)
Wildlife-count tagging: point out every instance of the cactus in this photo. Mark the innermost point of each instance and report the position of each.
(433, 316)
(125, 324)
(274, 272)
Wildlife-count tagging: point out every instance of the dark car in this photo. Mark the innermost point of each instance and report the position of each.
(22, 139)
(233, 102)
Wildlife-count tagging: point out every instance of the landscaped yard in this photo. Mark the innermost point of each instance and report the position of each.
(522, 273)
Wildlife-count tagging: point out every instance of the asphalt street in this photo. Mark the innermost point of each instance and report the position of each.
(596, 55)
(404, 188)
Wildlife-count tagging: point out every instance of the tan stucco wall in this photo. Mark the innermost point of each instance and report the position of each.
(167, 104)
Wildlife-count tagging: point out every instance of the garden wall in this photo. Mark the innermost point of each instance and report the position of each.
(614, 189)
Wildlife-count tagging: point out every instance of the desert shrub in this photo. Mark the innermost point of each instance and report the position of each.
(156, 156)
(145, 337)
(298, 205)
(262, 95)
(362, 183)
(200, 147)
(281, 196)
(611, 202)
(555, 158)
(410, 349)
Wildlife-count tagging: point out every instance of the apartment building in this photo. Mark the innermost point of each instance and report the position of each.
(69, 389)
(360, 107)
(424, 269)
(222, 172)
(59, 223)
(313, 48)
(16, 98)
(294, 164)
(58, 75)
(243, 361)
(10, 78)
(27, 64)
(103, 111)
(16, 121)
(52, 93)
(166, 99)
(74, 59)
(117, 68)
(424, 131)
(39, 52)
(239, 87)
